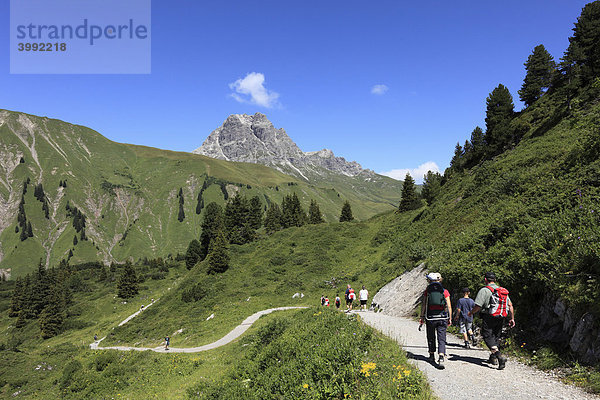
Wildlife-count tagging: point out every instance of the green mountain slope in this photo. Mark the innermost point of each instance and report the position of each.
(128, 193)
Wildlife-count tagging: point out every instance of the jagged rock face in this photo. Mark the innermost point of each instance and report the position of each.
(253, 138)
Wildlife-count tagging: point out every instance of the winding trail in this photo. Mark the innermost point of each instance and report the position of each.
(467, 372)
(230, 337)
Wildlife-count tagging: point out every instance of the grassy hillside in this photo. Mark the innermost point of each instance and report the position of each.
(313, 260)
(65, 367)
(128, 193)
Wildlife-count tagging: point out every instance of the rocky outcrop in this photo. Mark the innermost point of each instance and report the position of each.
(254, 139)
(559, 324)
(400, 297)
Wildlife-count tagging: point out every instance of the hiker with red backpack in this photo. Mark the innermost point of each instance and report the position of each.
(436, 311)
(495, 306)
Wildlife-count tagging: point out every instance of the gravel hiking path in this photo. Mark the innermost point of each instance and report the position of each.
(230, 337)
(467, 373)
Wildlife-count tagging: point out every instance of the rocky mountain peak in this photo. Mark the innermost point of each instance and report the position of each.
(253, 138)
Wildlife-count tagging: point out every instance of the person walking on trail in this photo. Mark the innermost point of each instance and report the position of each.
(495, 306)
(322, 300)
(464, 305)
(338, 301)
(167, 341)
(351, 298)
(347, 298)
(436, 311)
(326, 304)
(363, 296)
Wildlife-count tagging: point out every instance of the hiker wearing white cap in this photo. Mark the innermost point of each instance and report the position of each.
(436, 310)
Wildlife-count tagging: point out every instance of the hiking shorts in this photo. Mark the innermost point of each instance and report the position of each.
(363, 302)
(465, 326)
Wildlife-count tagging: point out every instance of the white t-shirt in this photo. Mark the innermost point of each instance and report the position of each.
(363, 294)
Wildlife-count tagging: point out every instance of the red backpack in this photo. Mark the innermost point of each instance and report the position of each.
(499, 302)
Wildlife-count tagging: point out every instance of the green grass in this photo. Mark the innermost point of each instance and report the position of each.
(128, 190)
(265, 274)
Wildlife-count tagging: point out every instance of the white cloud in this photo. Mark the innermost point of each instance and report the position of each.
(379, 89)
(251, 89)
(416, 173)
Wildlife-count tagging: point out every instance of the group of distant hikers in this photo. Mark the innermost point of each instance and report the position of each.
(436, 313)
(350, 297)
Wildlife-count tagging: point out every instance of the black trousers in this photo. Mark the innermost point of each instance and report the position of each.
(438, 327)
(491, 330)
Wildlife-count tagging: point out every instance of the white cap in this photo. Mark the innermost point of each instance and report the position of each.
(434, 276)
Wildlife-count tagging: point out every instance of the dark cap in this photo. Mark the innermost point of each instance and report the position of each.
(490, 276)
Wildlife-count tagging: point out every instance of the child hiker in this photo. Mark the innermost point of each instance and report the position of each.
(464, 305)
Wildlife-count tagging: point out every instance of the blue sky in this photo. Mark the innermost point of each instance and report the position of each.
(390, 84)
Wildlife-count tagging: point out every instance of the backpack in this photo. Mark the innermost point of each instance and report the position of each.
(498, 302)
(436, 302)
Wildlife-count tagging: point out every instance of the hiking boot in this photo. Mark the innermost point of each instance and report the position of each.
(493, 359)
(432, 358)
(501, 361)
(441, 362)
(467, 345)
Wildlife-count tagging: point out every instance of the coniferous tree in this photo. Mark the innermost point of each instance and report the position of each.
(38, 192)
(29, 229)
(127, 284)
(53, 316)
(477, 152)
(568, 79)
(41, 290)
(181, 214)
(467, 148)
(346, 214)
(17, 299)
(237, 220)
(218, 254)
(292, 212)
(584, 45)
(499, 112)
(410, 200)
(46, 209)
(75, 240)
(21, 320)
(212, 223)
(255, 213)
(432, 182)
(273, 218)
(314, 213)
(540, 67)
(200, 204)
(457, 162)
(28, 288)
(23, 236)
(102, 275)
(192, 255)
